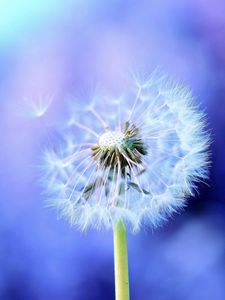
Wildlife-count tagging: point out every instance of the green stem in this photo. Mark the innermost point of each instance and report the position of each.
(121, 262)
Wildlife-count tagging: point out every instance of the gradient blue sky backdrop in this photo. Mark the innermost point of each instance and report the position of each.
(55, 52)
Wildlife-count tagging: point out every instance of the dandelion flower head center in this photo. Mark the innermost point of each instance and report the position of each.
(111, 140)
(120, 148)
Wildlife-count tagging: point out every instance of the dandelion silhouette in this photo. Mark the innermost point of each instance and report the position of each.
(128, 162)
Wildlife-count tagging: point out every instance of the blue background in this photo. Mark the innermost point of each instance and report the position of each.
(61, 48)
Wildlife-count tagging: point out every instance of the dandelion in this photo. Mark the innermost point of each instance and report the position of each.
(128, 161)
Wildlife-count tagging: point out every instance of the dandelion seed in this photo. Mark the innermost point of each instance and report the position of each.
(134, 158)
(34, 108)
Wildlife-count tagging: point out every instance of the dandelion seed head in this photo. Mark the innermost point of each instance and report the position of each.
(135, 157)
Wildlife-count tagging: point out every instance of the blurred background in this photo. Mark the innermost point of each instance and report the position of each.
(51, 50)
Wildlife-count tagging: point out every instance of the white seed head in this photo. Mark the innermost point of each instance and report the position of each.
(142, 173)
(111, 140)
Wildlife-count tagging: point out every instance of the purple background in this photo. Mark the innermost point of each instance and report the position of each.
(65, 48)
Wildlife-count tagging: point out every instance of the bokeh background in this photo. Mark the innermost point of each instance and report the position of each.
(51, 50)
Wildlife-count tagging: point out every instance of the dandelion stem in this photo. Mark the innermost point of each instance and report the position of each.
(121, 262)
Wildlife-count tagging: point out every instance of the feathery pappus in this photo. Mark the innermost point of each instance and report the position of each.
(135, 158)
